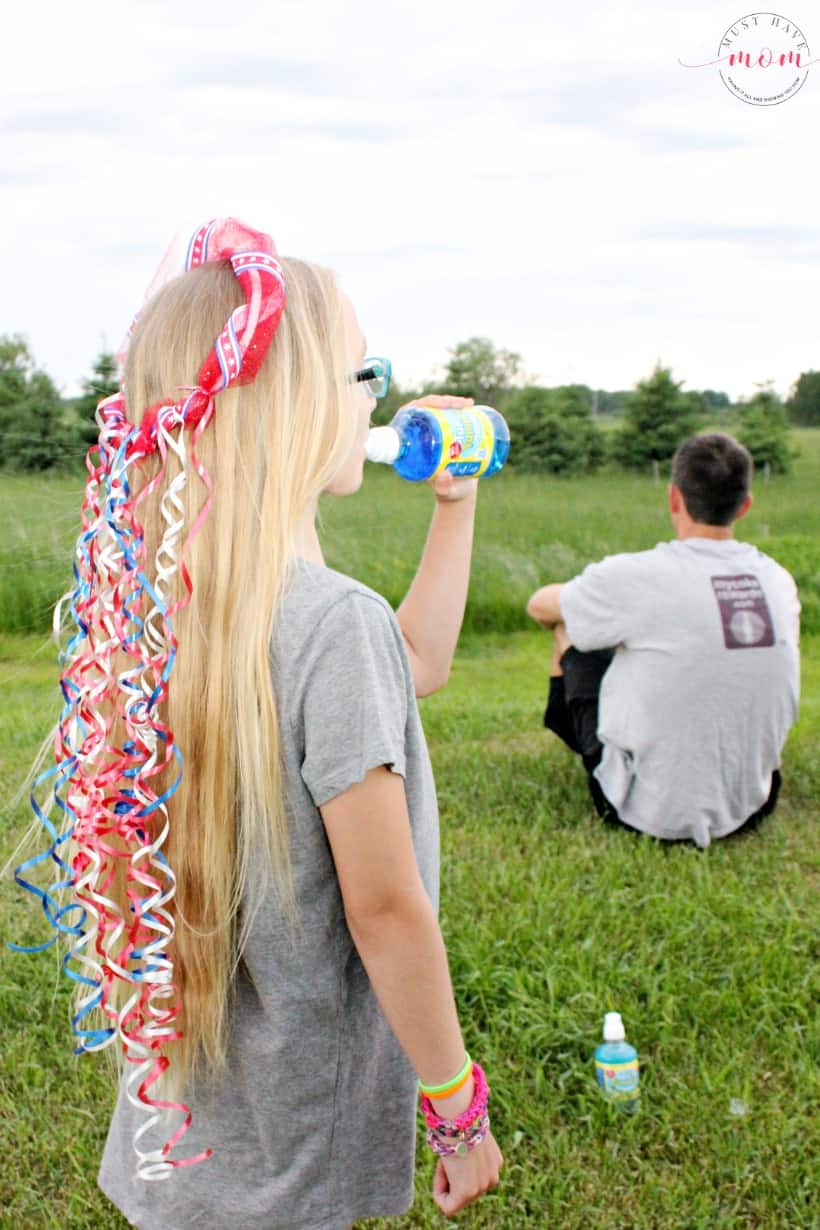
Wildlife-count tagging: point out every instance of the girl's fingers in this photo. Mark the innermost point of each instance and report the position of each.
(442, 401)
(441, 1183)
(445, 401)
(449, 488)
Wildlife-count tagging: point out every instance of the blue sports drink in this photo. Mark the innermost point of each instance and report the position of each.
(422, 442)
(616, 1066)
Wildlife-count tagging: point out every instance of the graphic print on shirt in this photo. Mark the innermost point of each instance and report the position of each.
(744, 612)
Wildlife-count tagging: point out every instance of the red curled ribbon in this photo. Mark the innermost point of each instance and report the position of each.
(116, 817)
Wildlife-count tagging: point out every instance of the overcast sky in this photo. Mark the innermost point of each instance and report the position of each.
(544, 174)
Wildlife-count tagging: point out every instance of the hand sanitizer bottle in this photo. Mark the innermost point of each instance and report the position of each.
(422, 442)
(616, 1065)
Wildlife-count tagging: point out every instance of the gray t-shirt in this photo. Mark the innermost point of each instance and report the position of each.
(313, 1124)
(703, 688)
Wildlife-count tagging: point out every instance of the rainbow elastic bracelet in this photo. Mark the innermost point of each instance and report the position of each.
(457, 1137)
(451, 1086)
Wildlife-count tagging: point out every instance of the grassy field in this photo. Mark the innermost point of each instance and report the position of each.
(550, 919)
(529, 528)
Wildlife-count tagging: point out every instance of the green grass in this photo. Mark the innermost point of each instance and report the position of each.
(529, 529)
(550, 918)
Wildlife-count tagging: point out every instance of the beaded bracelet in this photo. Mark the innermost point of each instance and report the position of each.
(460, 1145)
(451, 1086)
(457, 1137)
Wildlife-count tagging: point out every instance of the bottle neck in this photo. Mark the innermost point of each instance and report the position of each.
(383, 445)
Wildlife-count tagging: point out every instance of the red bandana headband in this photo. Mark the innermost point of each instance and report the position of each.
(242, 345)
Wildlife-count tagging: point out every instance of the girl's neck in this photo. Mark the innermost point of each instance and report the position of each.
(307, 543)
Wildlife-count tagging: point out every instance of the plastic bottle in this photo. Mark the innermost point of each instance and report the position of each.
(421, 442)
(616, 1065)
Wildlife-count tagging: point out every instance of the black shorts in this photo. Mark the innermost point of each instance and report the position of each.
(572, 714)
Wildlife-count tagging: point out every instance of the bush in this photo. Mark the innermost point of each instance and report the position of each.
(552, 431)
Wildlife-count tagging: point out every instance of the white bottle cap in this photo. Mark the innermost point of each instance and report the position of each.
(382, 444)
(613, 1027)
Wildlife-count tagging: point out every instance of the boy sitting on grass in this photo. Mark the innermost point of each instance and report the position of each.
(675, 671)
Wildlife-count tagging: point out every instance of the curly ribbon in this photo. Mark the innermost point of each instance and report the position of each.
(115, 820)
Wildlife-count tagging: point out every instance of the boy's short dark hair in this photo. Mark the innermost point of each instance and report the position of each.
(713, 473)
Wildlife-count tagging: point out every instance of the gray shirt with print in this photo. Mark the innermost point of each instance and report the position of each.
(703, 688)
(313, 1124)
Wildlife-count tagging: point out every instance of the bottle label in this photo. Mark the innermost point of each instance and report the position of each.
(468, 442)
(619, 1081)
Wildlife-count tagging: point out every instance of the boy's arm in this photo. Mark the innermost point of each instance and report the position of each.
(598, 607)
(545, 605)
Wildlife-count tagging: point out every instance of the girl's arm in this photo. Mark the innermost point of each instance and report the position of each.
(394, 928)
(430, 615)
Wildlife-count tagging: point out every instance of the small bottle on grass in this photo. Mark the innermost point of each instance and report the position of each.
(616, 1066)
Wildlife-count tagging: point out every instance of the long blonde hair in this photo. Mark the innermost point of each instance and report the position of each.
(270, 450)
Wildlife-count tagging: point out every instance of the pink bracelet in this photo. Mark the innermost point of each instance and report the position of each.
(456, 1137)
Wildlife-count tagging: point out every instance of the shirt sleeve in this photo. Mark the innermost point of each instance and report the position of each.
(355, 698)
(794, 609)
(597, 604)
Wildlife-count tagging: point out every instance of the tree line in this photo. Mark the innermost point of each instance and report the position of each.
(559, 430)
(40, 430)
(556, 430)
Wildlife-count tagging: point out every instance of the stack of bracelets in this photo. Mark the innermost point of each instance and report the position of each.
(456, 1137)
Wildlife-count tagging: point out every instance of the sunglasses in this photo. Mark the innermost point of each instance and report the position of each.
(375, 376)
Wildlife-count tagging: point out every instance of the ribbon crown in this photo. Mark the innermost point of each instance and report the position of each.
(240, 349)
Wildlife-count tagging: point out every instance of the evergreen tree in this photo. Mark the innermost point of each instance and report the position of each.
(101, 383)
(32, 435)
(804, 404)
(553, 430)
(763, 429)
(657, 418)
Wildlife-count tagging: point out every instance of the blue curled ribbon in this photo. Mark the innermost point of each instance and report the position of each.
(70, 919)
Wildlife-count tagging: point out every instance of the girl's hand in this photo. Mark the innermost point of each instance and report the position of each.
(459, 1181)
(448, 490)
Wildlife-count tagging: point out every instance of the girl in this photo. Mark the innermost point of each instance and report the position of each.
(254, 854)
